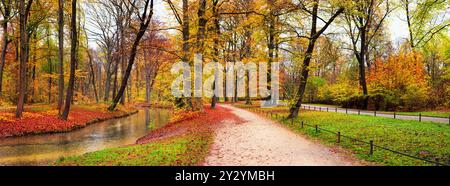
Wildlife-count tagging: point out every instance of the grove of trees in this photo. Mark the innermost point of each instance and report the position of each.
(332, 51)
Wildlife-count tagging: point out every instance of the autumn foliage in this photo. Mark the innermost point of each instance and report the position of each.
(48, 121)
(401, 79)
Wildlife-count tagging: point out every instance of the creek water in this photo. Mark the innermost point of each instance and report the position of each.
(46, 148)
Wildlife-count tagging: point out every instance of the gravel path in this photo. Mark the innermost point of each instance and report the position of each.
(259, 141)
(378, 114)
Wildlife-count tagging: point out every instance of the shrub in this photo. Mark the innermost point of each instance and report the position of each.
(399, 82)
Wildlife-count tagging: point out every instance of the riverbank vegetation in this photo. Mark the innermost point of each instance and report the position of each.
(422, 139)
(120, 52)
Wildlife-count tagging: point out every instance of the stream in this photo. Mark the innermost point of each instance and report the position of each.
(46, 148)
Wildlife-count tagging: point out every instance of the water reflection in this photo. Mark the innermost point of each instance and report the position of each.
(41, 149)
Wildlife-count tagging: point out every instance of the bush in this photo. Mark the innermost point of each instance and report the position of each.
(400, 82)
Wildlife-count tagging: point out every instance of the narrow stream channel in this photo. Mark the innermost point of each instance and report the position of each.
(43, 149)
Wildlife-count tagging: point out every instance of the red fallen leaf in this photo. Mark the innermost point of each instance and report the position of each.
(193, 122)
(46, 122)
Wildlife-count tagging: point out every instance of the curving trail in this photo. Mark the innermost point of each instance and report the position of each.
(259, 141)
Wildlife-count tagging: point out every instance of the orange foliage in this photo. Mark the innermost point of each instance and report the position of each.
(398, 71)
(401, 79)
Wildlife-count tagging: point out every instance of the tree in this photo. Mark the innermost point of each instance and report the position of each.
(24, 10)
(6, 11)
(425, 19)
(314, 34)
(144, 21)
(105, 36)
(60, 54)
(216, 35)
(363, 25)
(73, 60)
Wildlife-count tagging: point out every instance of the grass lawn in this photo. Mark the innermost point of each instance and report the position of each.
(423, 139)
(184, 150)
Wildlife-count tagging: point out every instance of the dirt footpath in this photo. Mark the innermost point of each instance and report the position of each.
(259, 141)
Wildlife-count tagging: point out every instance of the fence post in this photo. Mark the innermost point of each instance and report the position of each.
(339, 137)
(359, 112)
(346, 110)
(327, 109)
(302, 124)
(375, 113)
(420, 117)
(317, 128)
(371, 148)
(394, 115)
(336, 110)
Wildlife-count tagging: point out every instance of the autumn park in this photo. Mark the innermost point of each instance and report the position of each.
(225, 83)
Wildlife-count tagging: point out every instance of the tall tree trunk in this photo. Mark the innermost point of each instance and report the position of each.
(108, 79)
(144, 22)
(91, 66)
(362, 68)
(6, 16)
(186, 46)
(24, 10)
(198, 104)
(73, 60)
(60, 55)
(314, 35)
(114, 88)
(216, 28)
(50, 66)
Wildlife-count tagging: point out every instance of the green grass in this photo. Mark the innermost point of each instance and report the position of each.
(423, 139)
(184, 150)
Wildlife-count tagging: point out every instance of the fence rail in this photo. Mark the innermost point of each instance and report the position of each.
(419, 117)
(339, 136)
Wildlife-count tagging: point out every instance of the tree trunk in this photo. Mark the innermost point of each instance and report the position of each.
(145, 21)
(23, 55)
(73, 60)
(60, 54)
(186, 46)
(6, 14)
(198, 104)
(362, 68)
(108, 80)
(91, 66)
(216, 28)
(304, 77)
